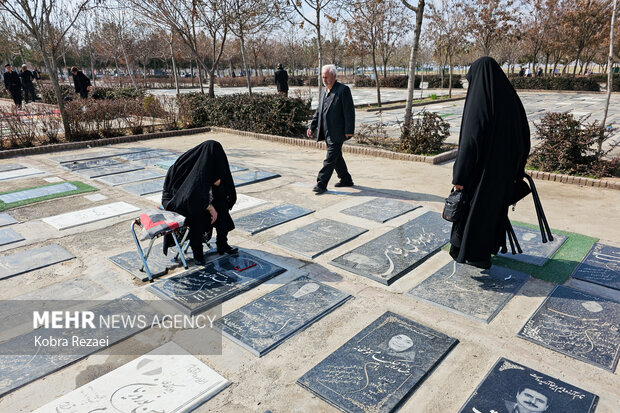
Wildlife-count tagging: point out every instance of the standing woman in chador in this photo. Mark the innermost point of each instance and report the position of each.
(494, 144)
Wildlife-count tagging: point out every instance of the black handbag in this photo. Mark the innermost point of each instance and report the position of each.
(454, 206)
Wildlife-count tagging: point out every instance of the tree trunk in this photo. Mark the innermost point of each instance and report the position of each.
(50, 64)
(450, 78)
(118, 71)
(133, 80)
(319, 44)
(174, 67)
(212, 83)
(377, 80)
(610, 73)
(245, 64)
(412, 65)
(202, 88)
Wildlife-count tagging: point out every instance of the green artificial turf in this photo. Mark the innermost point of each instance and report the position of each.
(560, 266)
(81, 188)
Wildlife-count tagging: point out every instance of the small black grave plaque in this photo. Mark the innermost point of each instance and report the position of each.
(260, 221)
(600, 266)
(380, 209)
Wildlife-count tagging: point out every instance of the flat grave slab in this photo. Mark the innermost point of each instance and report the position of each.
(26, 261)
(219, 280)
(534, 251)
(19, 173)
(130, 177)
(93, 163)
(246, 178)
(269, 218)
(168, 379)
(85, 156)
(6, 219)
(155, 198)
(466, 290)
(314, 239)
(601, 265)
(107, 170)
(579, 325)
(10, 167)
(165, 164)
(9, 236)
(380, 367)
(265, 323)
(89, 215)
(245, 202)
(512, 387)
(21, 362)
(96, 197)
(237, 168)
(380, 209)
(37, 192)
(156, 161)
(155, 153)
(393, 254)
(145, 188)
(53, 179)
(159, 264)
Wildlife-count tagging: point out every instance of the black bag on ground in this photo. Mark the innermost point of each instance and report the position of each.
(453, 208)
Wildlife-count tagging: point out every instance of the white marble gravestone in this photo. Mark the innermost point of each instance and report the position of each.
(244, 202)
(6, 219)
(19, 173)
(168, 379)
(88, 215)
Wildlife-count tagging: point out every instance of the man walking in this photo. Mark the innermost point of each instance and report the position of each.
(334, 122)
(281, 78)
(13, 85)
(27, 78)
(81, 82)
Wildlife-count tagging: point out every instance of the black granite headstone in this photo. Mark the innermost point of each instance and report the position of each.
(479, 294)
(314, 239)
(260, 221)
(510, 387)
(265, 323)
(246, 178)
(578, 324)
(219, 280)
(392, 255)
(534, 251)
(600, 266)
(378, 369)
(22, 360)
(380, 209)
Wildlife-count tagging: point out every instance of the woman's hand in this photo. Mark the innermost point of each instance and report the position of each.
(213, 213)
(458, 187)
(218, 182)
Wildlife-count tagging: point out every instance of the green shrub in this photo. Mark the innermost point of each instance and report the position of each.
(261, 113)
(434, 81)
(296, 80)
(556, 83)
(241, 81)
(48, 95)
(117, 92)
(569, 145)
(425, 134)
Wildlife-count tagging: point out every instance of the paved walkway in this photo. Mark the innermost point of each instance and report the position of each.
(269, 382)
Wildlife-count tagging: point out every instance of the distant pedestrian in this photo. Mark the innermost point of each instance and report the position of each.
(81, 82)
(333, 122)
(27, 78)
(539, 72)
(522, 72)
(13, 85)
(528, 73)
(37, 73)
(281, 78)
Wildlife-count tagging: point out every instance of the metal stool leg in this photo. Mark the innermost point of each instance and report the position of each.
(176, 241)
(142, 257)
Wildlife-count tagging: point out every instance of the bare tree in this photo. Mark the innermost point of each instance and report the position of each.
(490, 21)
(419, 13)
(47, 22)
(610, 72)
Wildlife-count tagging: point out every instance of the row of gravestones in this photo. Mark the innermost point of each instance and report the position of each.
(375, 370)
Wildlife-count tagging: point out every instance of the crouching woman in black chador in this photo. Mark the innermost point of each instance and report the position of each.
(494, 144)
(200, 187)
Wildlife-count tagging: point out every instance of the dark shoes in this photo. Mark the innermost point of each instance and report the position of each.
(201, 262)
(342, 184)
(484, 264)
(318, 189)
(226, 249)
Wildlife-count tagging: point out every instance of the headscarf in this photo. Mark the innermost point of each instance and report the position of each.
(190, 178)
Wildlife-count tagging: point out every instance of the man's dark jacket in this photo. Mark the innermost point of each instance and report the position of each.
(81, 82)
(27, 77)
(281, 78)
(12, 81)
(335, 117)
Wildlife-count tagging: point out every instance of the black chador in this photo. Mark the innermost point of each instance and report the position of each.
(201, 178)
(494, 144)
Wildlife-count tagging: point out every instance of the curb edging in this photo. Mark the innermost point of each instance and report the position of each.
(574, 180)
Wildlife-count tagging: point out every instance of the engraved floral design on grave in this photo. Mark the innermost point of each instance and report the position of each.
(511, 387)
(578, 324)
(601, 266)
(379, 367)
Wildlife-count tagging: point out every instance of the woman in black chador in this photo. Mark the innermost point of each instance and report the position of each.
(200, 187)
(494, 144)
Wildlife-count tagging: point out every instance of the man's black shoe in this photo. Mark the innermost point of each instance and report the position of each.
(200, 262)
(341, 184)
(227, 249)
(319, 189)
